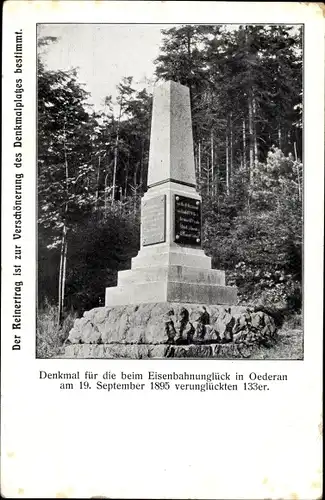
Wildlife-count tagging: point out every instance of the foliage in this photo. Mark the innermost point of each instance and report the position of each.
(261, 245)
(100, 246)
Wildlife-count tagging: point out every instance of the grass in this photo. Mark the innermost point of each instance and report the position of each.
(289, 345)
(49, 336)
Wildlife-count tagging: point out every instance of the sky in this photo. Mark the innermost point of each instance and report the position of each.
(104, 54)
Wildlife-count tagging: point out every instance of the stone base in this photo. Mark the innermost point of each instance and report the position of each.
(173, 291)
(183, 284)
(159, 331)
(142, 324)
(162, 351)
(183, 274)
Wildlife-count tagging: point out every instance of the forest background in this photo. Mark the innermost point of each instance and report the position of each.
(246, 101)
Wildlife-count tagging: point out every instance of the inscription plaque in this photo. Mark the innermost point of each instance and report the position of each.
(153, 220)
(187, 221)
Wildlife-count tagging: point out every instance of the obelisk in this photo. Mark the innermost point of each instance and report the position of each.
(171, 265)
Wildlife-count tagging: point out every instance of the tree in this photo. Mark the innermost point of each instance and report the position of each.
(245, 85)
(82, 156)
(64, 161)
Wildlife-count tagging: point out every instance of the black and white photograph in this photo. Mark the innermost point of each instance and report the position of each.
(170, 190)
(162, 250)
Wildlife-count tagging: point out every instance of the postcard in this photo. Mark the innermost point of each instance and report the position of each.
(162, 255)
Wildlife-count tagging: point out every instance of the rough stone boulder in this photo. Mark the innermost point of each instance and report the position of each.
(174, 327)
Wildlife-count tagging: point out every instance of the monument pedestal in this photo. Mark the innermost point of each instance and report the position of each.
(167, 290)
(171, 265)
(165, 270)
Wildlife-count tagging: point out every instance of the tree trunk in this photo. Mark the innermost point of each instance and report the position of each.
(279, 137)
(212, 164)
(251, 139)
(62, 274)
(231, 166)
(106, 189)
(208, 177)
(59, 318)
(135, 175)
(200, 162)
(97, 185)
(116, 155)
(64, 269)
(63, 253)
(141, 168)
(298, 175)
(216, 172)
(244, 145)
(227, 164)
(255, 134)
(255, 150)
(105, 194)
(189, 61)
(126, 175)
(135, 200)
(114, 170)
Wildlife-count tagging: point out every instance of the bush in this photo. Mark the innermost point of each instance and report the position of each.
(259, 242)
(272, 287)
(98, 247)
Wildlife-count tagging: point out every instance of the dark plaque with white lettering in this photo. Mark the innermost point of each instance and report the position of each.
(153, 220)
(187, 221)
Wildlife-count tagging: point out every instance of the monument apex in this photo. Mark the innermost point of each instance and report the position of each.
(171, 156)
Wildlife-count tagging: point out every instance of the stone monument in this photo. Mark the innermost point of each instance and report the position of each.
(171, 265)
(170, 304)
